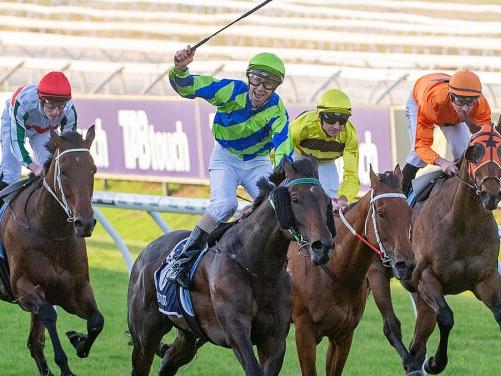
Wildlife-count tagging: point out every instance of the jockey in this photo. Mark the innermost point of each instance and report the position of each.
(31, 113)
(327, 134)
(250, 121)
(451, 102)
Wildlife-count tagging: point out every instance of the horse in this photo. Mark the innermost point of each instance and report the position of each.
(329, 301)
(456, 243)
(241, 291)
(43, 232)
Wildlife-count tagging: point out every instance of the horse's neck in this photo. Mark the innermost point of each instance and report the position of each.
(262, 246)
(352, 257)
(51, 217)
(464, 200)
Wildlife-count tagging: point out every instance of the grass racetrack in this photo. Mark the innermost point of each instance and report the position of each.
(474, 347)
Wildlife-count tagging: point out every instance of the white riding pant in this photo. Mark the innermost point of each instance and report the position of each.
(227, 172)
(457, 135)
(329, 177)
(11, 166)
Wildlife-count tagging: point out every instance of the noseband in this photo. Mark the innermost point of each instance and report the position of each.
(381, 251)
(57, 182)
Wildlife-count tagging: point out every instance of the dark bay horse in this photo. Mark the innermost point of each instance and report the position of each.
(329, 301)
(456, 242)
(43, 234)
(241, 291)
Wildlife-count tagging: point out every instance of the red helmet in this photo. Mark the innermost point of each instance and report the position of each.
(54, 85)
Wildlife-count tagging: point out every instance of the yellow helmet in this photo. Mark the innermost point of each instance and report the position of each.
(334, 100)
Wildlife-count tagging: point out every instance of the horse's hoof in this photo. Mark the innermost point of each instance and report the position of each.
(77, 340)
(432, 367)
(415, 373)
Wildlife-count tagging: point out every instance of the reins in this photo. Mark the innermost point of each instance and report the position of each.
(381, 252)
(58, 184)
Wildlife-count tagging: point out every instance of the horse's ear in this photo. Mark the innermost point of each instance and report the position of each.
(89, 137)
(474, 127)
(373, 176)
(498, 126)
(398, 173)
(283, 208)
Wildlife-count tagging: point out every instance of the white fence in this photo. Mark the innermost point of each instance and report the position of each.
(153, 205)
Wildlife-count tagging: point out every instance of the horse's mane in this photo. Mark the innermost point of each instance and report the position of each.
(74, 138)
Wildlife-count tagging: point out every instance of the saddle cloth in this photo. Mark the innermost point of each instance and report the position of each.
(167, 294)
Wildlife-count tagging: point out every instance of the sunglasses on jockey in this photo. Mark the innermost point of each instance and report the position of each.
(334, 117)
(52, 104)
(463, 101)
(257, 77)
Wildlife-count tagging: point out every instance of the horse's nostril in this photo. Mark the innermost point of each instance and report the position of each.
(316, 245)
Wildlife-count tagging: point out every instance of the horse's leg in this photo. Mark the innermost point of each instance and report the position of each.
(36, 344)
(271, 354)
(426, 320)
(337, 354)
(237, 327)
(380, 286)
(30, 300)
(147, 329)
(489, 292)
(84, 305)
(430, 290)
(179, 353)
(306, 344)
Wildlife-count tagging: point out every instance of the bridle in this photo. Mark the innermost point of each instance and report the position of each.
(381, 252)
(490, 142)
(58, 184)
(296, 235)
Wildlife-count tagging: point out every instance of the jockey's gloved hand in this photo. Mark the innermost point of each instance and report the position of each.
(183, 57)
(36, 169)
(340, 203)
(447, 166)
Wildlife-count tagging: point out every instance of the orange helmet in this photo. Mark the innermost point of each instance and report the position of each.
(465, 83)
(54, 85)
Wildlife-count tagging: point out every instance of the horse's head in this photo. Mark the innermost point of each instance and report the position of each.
(304, 209)
(70, 178)
(388, 223)
(484, 165)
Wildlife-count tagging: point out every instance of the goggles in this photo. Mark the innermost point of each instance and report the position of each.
(53, 104)
(260, 77)
(334, 117)
(463, 101)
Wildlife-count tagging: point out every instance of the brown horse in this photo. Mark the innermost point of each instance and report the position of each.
(456, 242)
(241, 291)
(329, 301)
(42, 232)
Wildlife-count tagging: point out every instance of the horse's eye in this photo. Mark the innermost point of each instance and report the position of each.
(294, 199)
(380, 213)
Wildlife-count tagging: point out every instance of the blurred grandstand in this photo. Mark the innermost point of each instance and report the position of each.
(373, 50)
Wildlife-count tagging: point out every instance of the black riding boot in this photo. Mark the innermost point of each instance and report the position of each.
(408, 173)
(2, 186)
(181, 268)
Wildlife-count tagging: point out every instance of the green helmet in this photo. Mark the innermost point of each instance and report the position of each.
(334, 100)
(268, 62)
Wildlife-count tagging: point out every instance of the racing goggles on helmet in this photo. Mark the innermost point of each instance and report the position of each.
(334, 117)
(52, 104)
(257, 77)
(463, 101)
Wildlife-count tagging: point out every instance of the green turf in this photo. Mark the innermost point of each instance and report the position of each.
(474, 349)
